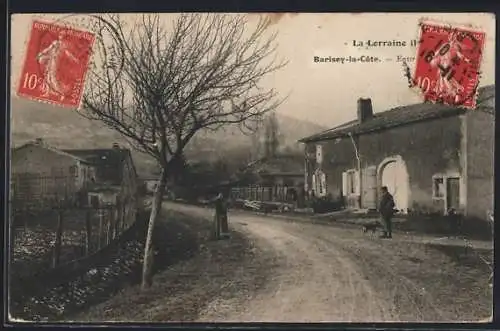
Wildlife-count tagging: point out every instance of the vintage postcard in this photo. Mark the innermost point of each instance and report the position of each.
(264, 167)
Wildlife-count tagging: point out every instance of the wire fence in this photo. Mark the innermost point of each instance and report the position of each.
(52, 223)
(277, 193)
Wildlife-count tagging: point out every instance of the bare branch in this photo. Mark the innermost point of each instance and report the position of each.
(158, 87)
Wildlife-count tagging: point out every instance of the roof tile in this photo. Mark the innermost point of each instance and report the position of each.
(396, 117)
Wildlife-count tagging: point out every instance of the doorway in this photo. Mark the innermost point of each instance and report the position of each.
(394, 175)
(452, 193)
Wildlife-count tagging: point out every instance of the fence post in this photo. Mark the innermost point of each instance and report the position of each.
(100, 227)
(25, 222)
(109, 227)
(57, 246)
(116, 220)
(119, 210)
(88, 231)
(123, 218)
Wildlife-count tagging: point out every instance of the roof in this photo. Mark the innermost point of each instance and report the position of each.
(397, 116)
(285, 164)
(50, 148)
(103, 156)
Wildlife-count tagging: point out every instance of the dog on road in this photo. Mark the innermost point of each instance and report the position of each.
(372, 227)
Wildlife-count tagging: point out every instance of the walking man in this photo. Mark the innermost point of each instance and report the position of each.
(386, 209)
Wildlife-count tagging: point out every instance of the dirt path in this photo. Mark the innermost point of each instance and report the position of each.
(341, 275)
(313, 284)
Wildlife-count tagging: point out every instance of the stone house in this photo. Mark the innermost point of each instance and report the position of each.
(150, 183)
(39, 171)
(281, 169)
(275, 178)
(115, 176)
(90, 176)
(432, 157)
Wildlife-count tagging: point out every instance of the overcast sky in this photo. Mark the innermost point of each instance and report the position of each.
(326, 93)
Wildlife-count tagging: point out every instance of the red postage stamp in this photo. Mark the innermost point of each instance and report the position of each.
(448, 64)
(55, 65)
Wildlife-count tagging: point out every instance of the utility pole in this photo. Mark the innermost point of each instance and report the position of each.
(358, 158)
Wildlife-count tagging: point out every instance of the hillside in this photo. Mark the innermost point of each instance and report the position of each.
(65, 128)
(230, 141)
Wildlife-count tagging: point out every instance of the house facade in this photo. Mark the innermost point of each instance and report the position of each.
(431, 157)
(150, 184)
(279, 170)
(98, 176)
(115, 177)
(276, 178)
(38, 170)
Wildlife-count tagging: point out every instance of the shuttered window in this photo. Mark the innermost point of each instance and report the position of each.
(350, 183)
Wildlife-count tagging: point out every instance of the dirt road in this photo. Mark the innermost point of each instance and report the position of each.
(339, 274)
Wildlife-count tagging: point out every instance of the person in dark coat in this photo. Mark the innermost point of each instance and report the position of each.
(221, 215)
(386, 209)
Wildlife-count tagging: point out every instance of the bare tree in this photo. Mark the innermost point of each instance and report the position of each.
(158, 87)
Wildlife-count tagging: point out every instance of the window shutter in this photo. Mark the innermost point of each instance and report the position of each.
(323, 183)
(319, 154)
(314, 183)
(356, 181)
(344, 184)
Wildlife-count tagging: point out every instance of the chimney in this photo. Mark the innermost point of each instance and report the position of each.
(116, 146)
(365, 110)
(39, 141)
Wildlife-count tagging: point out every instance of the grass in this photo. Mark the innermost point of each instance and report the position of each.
(440, 225)
(192, 270)
(434, 282)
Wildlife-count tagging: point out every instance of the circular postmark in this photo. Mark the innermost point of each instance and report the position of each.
(448, 64)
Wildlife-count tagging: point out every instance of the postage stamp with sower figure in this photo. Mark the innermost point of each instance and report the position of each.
(448, 64)
(55, 65)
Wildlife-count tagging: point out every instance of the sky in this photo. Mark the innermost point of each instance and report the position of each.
(326, 93)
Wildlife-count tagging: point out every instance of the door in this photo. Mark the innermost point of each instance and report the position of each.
(395, 177)
(452, 193)
(94, 201)
(369, 199)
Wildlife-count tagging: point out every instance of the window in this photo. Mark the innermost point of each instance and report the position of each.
(319, 153)
(73, 171)
(319, 183)
(350, 182)
(446, 188)
(438, 188)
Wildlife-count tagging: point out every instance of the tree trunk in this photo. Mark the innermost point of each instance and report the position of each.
(147, 267)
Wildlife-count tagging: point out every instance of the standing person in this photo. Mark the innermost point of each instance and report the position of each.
(221, 221)
(386, 209)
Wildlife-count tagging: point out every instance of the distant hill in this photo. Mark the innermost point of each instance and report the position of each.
(65, 128)
(230, 141)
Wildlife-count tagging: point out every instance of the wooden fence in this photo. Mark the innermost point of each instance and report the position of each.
(278, 193)
(42, 192)
(45, 239)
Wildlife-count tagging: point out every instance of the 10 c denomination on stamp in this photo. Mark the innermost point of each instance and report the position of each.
(448, 64)
(55, 65)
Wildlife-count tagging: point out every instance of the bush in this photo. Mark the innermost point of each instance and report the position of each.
(447, 225)
(325, 205)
